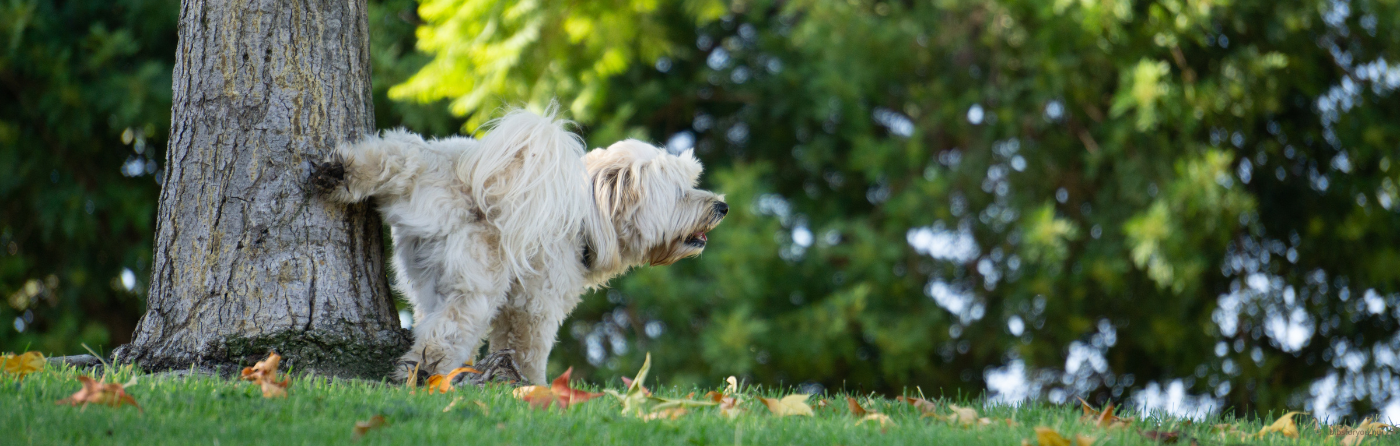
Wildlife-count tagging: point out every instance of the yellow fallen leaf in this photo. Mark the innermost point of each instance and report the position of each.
(666, 414)
(795, 404)
(22, 364)
(1353, 436)
(1049, 437)
(1083, 440)
(965, 416)
(443, 383)
(876, 417)
(1283, 425)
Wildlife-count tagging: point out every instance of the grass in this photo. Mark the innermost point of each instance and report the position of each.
(209, 410)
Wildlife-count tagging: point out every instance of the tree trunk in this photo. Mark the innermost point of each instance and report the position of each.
(247, 258)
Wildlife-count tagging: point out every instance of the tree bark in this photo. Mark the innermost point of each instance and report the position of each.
(248, 259)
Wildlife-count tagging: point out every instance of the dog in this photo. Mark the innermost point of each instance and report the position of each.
(500, 237)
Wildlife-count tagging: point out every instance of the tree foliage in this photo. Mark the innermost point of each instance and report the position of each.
(1110, 193)
(84, 105)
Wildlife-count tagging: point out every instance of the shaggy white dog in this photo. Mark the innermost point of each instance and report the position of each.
(507, 232)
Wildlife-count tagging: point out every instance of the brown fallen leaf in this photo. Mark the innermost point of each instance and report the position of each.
(363, 427)
(107, 394)
(795, 404)
(541, 397)
(1103, 418)
(925, 407)
(264, 374)
(1283, 425)
(728, 403)
(855, 407)
(1168, 437)
(22, 364)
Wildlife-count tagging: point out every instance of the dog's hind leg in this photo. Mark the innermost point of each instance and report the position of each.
(374, 166)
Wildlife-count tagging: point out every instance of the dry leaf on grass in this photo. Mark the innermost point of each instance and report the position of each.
(541, 397)
(1168, 437)
(264, 374)
(443, 383)
(627, 382)
(107, 394)
(1049, 437)
(1283, 425)
(363, 427)
(855, 407)
(22, 364)
(795, 404)
(728, 401)
(1353, 436)
(666, 414)
(636, 398)
(1102, 418)
(876, 417)
(925, 407)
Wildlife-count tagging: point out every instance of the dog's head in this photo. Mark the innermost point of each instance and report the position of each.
(657, 214)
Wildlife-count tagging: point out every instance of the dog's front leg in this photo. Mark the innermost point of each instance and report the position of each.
(529, 323)
(450, 336)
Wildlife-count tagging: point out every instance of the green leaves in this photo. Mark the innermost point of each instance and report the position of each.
(488, 53)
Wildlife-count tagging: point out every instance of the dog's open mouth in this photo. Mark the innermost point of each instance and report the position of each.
(697, 240)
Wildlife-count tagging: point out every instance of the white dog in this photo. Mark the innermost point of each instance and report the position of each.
(507, 232)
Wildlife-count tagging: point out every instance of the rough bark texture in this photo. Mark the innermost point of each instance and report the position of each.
(247, 258)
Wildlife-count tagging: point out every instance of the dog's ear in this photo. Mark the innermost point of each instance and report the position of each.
(692, 166)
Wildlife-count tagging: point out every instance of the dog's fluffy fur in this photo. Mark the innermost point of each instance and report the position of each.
(507, 232)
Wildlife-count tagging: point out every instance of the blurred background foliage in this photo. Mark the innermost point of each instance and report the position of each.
(1188, 205)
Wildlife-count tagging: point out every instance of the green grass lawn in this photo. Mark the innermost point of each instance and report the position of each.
(208, 410)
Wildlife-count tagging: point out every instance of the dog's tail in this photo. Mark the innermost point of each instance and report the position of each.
(528, 177)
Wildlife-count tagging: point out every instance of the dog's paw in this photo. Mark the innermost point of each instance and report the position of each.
(328, 176)
(410, 371)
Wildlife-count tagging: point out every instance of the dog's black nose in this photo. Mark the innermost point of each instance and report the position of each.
(722, 208)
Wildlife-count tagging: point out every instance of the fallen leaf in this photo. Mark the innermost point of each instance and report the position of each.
(666, 414)
(1102, 418)
(795, 404)
(855, 407)
(264, 374)
(541, 397)
(1162, 436)
(443, 383)
(728, 403)
(883, 419)
(93, 392)
(22, 364)
(1283, 425)
(363, 427)
(1352, 436)
(636, 398)
(1049, 437)
(627, 382)
(1083, 440)
(965, 416)
(925, 407)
